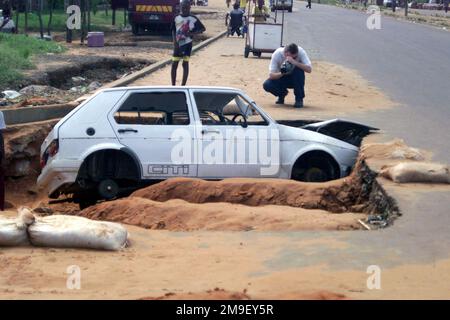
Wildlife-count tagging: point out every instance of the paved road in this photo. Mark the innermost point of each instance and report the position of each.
(409, 62)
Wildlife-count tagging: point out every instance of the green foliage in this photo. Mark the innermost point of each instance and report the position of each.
(16, 52)
(99, 21)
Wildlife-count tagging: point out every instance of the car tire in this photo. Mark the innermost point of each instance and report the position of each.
(315, 169)
(290, 9)
(85, 203)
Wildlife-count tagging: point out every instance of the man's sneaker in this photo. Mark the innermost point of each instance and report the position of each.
(298, 104)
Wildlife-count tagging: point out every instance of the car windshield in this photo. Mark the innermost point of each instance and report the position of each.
(226, 108)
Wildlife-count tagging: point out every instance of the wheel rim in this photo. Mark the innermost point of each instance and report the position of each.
(108, 189)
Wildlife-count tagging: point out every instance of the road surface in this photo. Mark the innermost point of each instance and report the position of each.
(409, 62)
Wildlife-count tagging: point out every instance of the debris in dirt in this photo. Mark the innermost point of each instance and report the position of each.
(78, 80)
(417, 172)
(31, 102)
(396, 149)
(78, 89)
(363, 224)
(39, 90)
(94, 85)
(11, 94)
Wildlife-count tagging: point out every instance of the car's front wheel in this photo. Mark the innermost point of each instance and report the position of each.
(315, 167)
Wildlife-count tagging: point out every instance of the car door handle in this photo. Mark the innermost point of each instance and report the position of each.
(205, 131)
(127, 130)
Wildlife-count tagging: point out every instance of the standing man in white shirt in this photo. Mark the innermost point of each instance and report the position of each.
(287, 70)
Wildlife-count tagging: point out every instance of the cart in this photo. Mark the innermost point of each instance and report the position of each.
(263, 36)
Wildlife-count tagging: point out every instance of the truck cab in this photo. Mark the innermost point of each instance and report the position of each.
(152, 14)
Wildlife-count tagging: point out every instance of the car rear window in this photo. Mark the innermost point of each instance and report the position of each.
(154, 108)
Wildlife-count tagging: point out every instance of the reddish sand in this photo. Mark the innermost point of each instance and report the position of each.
(179, 215)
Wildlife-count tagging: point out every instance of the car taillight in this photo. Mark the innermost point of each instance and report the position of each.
(51, 151)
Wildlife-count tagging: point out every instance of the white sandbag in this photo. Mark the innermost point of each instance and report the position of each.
(417, 172)
(13, 232)
(77, 232)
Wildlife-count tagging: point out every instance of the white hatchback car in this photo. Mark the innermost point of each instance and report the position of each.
(123, 138)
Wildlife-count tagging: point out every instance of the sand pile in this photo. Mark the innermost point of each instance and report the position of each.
(395, 149)
(186, 204)
(335, 196)
(179, 215)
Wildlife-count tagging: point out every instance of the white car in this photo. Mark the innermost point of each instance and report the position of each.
(281, 5)
(123, 138)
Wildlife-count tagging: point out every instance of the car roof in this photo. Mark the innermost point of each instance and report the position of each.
(172, 87)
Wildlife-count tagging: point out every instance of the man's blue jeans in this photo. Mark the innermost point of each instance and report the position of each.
(295, 80)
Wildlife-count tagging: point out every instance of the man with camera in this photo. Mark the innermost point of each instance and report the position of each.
(287, 70)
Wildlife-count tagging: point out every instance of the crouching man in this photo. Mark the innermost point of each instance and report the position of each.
(287, 70)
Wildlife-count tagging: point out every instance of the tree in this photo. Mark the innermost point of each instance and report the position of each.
(51, 4)
(41, 24)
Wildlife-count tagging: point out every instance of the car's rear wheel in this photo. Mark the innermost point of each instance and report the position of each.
(315, 167)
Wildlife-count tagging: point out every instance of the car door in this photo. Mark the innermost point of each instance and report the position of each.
(234, 138)
(153, 124)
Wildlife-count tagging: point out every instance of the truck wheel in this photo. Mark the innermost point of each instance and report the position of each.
(290, 9)
(108, 189)
(246, 51)
(135, 29)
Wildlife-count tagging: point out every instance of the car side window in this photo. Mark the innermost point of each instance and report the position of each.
(217, 108)
(154, 108)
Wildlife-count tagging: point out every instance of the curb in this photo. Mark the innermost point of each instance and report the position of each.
(159, 65)
(42, 113)
(38, 113)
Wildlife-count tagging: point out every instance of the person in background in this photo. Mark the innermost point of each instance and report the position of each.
(236, 19)
(260, 11)
(2, 158)
(184, 27)
(282, 77)
(6, 23)
(309, 4)
(446, 5)
(242, 4)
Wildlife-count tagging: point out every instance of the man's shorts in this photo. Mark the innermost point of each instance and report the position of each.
(182, 52)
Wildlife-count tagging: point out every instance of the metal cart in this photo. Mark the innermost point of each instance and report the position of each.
(263, 36)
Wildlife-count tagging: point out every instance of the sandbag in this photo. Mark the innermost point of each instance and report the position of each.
(13, 232)
(417, 172)
(76, 232)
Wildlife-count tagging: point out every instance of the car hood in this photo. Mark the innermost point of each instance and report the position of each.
(335, 131)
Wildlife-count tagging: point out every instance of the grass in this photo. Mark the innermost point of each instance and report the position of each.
(16, 52)
(99, 22)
